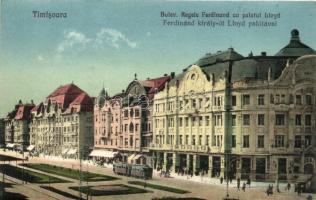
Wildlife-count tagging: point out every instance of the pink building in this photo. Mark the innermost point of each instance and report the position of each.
(123, 122)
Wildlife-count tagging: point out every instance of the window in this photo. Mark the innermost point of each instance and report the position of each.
(200, 103)
(193, 140)
(136, 112)
(279, 119)
(260, 141)
(298, 141)
(283, 98)
(186, 139)
(193, 121)
(261, 99)
(233, 120)
(298, 120)
(246, 120)
(207, 120)
(200, 140)
(308, 120)
(246, 99)
(246, 141)
(308, 99)
(193, 103)
(200, 120)
(207, 139)
(279, 141)
(186, 121)
(180, 121)
(308, 140)
(261, 119)
(125, 113)
(298, 100)
(214, 140)
(181, 139)
(233, 141)
(218, 120)
(234, 101)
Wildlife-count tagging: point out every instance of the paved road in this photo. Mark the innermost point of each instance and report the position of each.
(201, 190)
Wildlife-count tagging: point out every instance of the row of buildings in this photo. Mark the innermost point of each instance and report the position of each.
(248, 117)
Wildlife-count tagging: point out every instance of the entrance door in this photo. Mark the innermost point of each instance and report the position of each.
(260, 168)
(282, 168)
(245, 168)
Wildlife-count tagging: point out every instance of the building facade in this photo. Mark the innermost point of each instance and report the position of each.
(17, 133)
(62, 125)
(123, 123)
(248, 117)
(2, 135)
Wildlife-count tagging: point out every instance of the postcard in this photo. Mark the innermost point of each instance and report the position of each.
(157, 100)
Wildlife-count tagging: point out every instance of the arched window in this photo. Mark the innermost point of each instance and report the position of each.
(131, 113)
(131, 128)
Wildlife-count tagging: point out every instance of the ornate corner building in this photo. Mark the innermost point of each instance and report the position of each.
(62, 125)
(248, 117)
(123, 122)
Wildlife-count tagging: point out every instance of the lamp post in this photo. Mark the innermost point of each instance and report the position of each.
(228, 163)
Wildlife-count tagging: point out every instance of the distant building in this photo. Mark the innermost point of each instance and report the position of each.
(17, 133)
(2, 135)
(123, 123)
(248, 117)
(62, 125)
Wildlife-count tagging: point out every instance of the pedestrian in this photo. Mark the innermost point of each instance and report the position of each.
(238, 184)
(244, 187)
(231, 179)
(288, 186)
(277, 188)
(248, 182)
(299, 190)
(268, 190)
(221, 180)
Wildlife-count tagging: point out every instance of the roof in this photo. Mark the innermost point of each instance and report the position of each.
(21, 112)
(220, 56)
(295, 47)
(70, 89)
(64, 95)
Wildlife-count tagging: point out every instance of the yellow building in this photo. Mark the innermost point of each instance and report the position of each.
(253, 117)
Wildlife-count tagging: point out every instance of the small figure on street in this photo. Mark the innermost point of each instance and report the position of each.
(268, 190)
(299, 190)
(248, 182)
(277, 188)
(221, 180)
(309, 197)
(238, 184)
(244, 187)
(231, 179)
(288, 186)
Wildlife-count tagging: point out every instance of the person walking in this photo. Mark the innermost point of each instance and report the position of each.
(221, 180)
(244, 187)
(288, 186)
(248, 182)
(238, 184)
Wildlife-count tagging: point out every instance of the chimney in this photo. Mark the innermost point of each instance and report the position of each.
(165, 75)
(263, 53)
(250, 54)
(172, 74)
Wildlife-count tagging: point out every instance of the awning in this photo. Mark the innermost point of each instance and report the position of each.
(11, 145)
(103, 153)
(304, 178)
(72, 152)
(138, 156)
(30, 148)
(65, 151)
(131, 158)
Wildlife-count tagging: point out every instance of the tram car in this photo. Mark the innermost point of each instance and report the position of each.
(134, 170)
(142, 171)
(122, 169)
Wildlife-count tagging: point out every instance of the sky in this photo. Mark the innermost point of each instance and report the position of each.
(107, 42)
